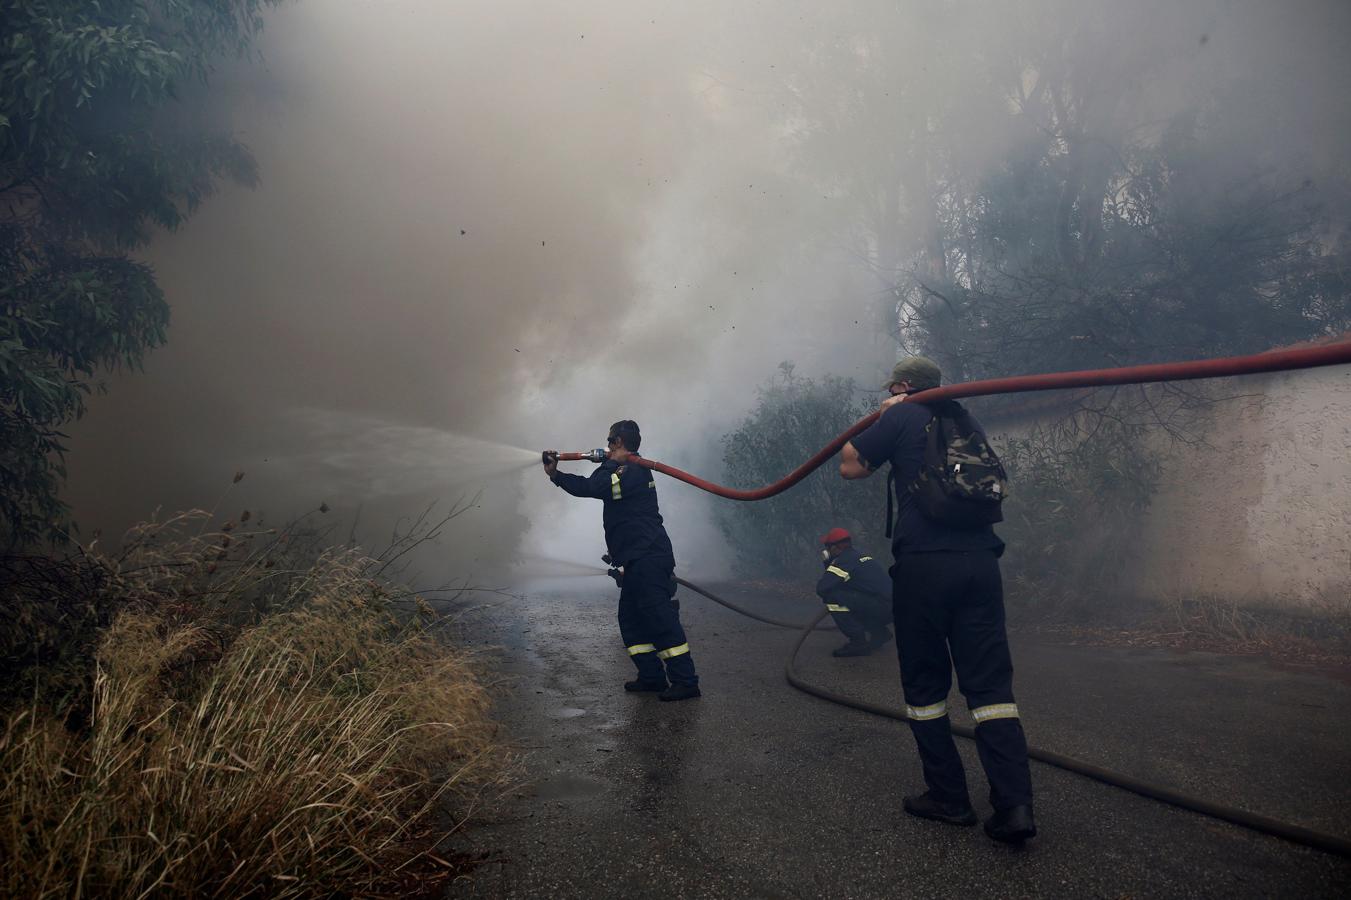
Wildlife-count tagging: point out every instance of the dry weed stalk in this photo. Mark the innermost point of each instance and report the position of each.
(324, 747)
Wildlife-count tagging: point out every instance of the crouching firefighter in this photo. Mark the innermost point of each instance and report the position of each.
(649, 621)
(857, 591)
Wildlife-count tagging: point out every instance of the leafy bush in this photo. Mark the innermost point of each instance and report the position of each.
(793, 418)
(97, 150)
(1078, 487)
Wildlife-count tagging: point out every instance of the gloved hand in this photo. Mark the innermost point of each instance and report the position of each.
(607, 560)
(616, 574)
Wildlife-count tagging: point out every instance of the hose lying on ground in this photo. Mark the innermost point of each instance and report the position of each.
(1255, 821)
(780, 623)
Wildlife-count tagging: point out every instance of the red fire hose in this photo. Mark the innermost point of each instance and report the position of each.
(1274, 361)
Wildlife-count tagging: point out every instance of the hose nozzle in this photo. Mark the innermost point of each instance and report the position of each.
(595, 456)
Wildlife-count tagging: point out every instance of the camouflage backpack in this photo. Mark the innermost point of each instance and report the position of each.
(962, 482)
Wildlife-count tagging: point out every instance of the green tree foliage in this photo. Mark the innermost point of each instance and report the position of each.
(793, 418)
(1029, 203)
(97, 150)
(1160, 255)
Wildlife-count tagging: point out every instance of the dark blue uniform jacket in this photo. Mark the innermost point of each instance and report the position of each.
(855, 580)
(633, 527)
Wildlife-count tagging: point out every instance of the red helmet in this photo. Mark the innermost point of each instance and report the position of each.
(836, 536)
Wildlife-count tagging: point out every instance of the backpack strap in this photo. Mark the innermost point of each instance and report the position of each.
(954, 413)
(932, 431)
(891, 490)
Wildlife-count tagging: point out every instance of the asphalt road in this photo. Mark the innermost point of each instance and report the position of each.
(758, 790)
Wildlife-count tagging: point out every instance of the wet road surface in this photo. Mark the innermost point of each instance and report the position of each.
(758, 790)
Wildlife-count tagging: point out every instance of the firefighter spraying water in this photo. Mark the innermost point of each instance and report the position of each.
(641, 553)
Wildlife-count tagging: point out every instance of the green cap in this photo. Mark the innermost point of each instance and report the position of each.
(921, 372)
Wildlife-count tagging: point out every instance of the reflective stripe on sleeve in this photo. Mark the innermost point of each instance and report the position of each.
(924, 713)
(836, 570)
(995, 711)
(864, 558)
(674, 651)
(642, 648)
(615, 493)
(835, 607)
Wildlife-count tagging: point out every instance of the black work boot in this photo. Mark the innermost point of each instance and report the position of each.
(878, 638)
(1013, 825)
(926, 807)
(851, 649)
(642, 684)
(680, 692)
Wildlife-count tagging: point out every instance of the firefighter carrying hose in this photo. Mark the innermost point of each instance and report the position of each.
(948, 597)
(857, 591)
(649, 621)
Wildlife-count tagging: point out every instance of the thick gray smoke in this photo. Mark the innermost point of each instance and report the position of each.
(521, 221)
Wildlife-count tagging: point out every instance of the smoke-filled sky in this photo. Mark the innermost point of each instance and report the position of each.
(519, 221)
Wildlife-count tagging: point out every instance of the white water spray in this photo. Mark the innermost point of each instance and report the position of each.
(535, 566)
(366, 457)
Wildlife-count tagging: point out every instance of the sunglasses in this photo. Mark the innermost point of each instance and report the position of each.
(611, 441)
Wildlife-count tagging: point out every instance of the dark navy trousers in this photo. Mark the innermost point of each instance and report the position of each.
(949, 609)
(862, 617)
(649, 622)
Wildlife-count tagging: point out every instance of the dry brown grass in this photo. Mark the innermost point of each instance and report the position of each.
(323, 747)
(1318, 637)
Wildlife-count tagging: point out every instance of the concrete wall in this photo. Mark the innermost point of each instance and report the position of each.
(1261, 516)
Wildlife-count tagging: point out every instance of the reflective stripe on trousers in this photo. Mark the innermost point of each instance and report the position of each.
(678, 650)
(995, 711)
(924, 713)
